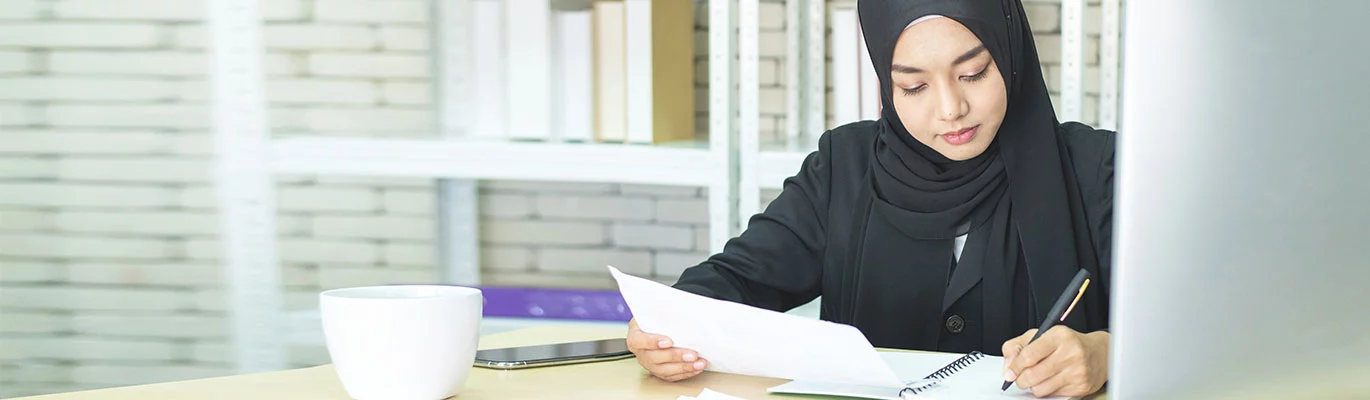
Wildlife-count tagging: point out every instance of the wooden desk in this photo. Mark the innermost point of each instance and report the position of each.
(623, 379)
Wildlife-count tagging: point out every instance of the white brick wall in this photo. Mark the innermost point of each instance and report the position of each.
(48, 245)
(83, 195)
(58, 348)
(79, 298)
(14, 62)
(33, 322)
(636, 262)
(108, 374)
(404, 38)
(319, 91)
(109, 241)
(370, 11)
(318, 37)
(615, 207)
(18, 9)
(151, 326)
(31, 272)
(163, 10)
(329, 251)
(128, 115)
(374, 227)
(544, 232)
(125, 63)
(653, 236)
(390, 122)
(419, 254)
(27, 168)
(137, 223)
(185, 274)
(369, 65)
(80, 35)
(151, 169)
(86, 89)
(406, 93)
(339, 277)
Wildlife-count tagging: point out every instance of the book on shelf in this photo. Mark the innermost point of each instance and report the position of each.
(846, 64)
(659, 47)
(621, 71)
(574, 68)
(529, 69)
(856, 89)
(610, 84)
(870, 83)
(488, 46)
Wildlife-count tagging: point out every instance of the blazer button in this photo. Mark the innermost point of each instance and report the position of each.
(955, 324)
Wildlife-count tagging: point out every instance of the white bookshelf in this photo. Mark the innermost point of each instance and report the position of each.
(249, 159)
(732, 164)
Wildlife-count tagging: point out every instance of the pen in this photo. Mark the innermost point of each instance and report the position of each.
(1059, 311)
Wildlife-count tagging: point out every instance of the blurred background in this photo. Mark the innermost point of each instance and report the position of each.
(110, 243)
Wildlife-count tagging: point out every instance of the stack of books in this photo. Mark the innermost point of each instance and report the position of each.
(617, 71)
(855, 88)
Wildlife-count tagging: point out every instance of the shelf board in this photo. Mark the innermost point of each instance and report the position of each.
(678, 164)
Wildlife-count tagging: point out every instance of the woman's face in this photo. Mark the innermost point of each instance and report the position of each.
(947, 90)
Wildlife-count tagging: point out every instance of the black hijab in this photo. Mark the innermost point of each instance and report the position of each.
(1018, 200)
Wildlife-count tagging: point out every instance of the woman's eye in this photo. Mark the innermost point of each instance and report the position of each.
(977, 76)
(913, 91)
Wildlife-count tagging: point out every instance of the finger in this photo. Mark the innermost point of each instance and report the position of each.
(681, 376)
(1012, 347)
(677, 369)
(653, 357)
(669, 370)
(1049, 386)
(1035, 375)
(646, 341)
(1035, 352)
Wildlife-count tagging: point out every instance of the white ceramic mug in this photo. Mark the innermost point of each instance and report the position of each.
(403, 342)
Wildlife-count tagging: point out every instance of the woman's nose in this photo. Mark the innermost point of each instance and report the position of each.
(952, 105)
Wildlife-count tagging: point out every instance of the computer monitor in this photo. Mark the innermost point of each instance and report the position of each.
(1242, 214)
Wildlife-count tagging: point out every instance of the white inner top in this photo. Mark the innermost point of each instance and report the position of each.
(960, 244)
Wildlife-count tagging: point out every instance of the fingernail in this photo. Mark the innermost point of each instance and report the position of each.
(663, 343)
(689, 357)
(699, 365)
(1009, 376)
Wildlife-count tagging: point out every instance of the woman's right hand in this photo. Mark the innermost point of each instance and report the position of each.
(658, 355)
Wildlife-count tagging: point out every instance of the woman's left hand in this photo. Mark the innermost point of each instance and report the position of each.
(1062, 362)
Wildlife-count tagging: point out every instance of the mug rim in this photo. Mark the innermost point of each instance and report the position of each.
(441, 291)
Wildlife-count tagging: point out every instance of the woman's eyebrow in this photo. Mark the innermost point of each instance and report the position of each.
(967, 56)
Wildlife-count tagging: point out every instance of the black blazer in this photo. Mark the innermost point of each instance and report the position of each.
(796, 249)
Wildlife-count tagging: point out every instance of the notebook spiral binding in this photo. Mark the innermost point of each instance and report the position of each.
(945, 372)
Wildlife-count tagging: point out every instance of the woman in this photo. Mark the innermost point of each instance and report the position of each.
(950, 224)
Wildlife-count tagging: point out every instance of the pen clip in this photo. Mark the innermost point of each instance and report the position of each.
(1078, 295)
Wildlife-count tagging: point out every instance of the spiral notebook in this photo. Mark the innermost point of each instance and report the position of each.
(929, 375)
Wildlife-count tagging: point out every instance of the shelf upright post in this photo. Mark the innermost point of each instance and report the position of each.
(458, 209)
(245, 188)
(749, 191)
(723, 109)
(1072, 59)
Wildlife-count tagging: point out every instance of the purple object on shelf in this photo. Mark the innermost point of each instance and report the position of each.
(521, 302)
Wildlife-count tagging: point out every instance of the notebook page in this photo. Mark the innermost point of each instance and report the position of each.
(981, 380)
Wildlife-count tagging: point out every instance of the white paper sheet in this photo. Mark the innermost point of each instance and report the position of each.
(708, 394)
(740, 339)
